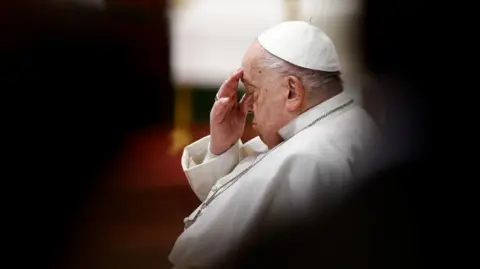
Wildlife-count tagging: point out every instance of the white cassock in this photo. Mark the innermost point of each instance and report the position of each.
(323, 148)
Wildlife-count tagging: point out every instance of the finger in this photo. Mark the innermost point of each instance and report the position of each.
(242, 101)
(230, 87)
(221, 108)
(245, 104)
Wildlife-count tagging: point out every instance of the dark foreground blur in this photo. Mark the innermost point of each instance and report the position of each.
(94, 182)
(89, 113)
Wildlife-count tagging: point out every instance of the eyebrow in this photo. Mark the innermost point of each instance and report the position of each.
(246, 82)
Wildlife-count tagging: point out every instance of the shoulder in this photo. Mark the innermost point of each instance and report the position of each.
(338, 134)
(305, 165)
(341, 144)
(353, 121)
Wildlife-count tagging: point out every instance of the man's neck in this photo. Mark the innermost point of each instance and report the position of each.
(320, 99)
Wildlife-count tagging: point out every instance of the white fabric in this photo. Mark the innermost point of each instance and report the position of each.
(311, 161)
(302, 44)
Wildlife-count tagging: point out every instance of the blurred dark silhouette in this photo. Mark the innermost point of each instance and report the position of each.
(75, 83)
(380, 222)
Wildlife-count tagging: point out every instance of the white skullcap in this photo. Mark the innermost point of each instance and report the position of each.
(301, 44)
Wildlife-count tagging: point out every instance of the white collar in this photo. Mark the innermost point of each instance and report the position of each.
(312, 114)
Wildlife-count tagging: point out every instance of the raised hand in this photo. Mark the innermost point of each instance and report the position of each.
(227, 117)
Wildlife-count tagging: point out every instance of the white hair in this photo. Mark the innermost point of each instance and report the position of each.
(312, 80)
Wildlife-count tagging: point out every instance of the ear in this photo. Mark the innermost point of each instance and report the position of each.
(296, 93)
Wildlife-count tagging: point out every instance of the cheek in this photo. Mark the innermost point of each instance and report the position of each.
(257, 113)
(258, 106)
(264, 109)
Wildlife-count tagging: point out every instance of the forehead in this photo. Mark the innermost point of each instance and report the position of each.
(250, 66)
(253, 51)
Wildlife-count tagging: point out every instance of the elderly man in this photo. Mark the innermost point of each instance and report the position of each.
(313, 138)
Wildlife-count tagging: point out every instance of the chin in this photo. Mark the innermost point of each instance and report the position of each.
(265, 142)
(262, 137)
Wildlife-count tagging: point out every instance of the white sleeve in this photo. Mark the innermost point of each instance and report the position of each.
(203, 169)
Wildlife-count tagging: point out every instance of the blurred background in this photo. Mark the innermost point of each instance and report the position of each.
(187, 48)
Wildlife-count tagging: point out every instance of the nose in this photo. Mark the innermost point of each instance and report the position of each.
(250, 109)
(250, 105)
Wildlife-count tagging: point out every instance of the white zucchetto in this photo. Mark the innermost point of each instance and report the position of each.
(301, 44)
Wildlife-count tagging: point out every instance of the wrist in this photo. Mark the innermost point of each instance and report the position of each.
(219, 150)
(216, 151)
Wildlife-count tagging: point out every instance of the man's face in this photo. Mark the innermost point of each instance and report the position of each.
(269, 97)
